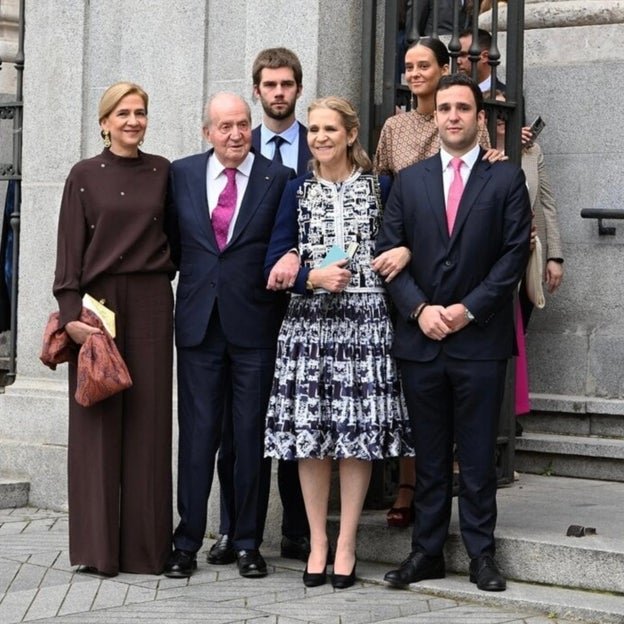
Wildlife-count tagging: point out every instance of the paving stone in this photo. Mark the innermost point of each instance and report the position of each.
(46, 602)
(79, 597)
(110, 594)
(13, 606)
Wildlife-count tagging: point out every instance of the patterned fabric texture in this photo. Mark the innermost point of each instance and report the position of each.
(336, 389)
(408, 138)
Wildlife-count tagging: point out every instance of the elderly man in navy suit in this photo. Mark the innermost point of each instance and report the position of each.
(467, 222)
(222, 209)
(277, 83)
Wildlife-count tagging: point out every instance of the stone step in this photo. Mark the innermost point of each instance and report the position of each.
(586, 457)
(13, 492)
(532, 547)
(603, 425)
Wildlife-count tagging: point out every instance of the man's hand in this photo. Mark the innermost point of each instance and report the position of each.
(284, 272)
(432, 323)
(79, 331)
(455, 317)
(390, 263)
(554, 275)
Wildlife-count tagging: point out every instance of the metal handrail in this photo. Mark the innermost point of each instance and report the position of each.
(603, 213)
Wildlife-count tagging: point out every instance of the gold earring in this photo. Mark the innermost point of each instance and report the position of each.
(106, 137)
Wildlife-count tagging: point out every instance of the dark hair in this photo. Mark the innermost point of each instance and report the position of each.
(437, 47)
(274, 58)
(484, 38)
(461, 80)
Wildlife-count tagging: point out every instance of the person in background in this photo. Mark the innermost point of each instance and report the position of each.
(336, 393)
(277, 84)
(112, 245)
(484, 69)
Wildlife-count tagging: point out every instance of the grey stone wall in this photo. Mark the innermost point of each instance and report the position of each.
(180, 54)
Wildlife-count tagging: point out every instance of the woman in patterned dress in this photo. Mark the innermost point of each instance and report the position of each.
(336, 391)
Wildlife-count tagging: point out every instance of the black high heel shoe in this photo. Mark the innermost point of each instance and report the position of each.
(344, 581)
(314, 579)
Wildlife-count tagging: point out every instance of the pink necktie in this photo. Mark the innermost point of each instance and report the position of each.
(224, 210)
(455, 192)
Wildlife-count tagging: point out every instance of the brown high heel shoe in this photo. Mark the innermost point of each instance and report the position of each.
(401, 517)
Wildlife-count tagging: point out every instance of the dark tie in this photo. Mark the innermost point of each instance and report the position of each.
(454, 195)
(277, 154)
(224, 210)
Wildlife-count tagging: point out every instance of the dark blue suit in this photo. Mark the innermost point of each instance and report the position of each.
(294, 520)
(454, 387)
(226, 326)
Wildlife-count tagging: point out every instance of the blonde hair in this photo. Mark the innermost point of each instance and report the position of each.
(115, 93)
(355, 152)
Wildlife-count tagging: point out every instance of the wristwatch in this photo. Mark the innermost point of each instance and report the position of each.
(469, 315)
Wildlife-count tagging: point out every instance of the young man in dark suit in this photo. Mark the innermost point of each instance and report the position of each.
(222, 210)
(277, 83)
(467, 223)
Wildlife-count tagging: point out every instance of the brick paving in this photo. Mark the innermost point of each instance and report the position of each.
(38, 584)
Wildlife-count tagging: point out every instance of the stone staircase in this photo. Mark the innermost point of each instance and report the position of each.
(587, 446)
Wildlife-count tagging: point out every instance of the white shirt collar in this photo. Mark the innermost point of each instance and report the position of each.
(216, 167)
(469, 158)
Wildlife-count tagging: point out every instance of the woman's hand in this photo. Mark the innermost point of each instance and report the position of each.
(79, 331)
(390, 263)
(493, 155)
(333, 278)
(526, 136)
(554, 275)
(533, 237)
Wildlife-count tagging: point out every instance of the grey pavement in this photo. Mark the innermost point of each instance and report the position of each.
(37, 583)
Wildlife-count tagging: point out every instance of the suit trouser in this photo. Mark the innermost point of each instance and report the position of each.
(119, 450)
(294, 519)
(207, 375)
(451, 400)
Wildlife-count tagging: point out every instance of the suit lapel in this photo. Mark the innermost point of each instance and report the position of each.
(260, 180)
(196, 181)
(304, 151)
(435, 192)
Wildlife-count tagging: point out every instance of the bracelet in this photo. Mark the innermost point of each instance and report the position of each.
(419, 310)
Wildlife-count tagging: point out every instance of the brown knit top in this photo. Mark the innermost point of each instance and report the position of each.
(111, 222)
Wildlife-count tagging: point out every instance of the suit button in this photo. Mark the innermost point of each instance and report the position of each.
(213, 284)
(447, 263)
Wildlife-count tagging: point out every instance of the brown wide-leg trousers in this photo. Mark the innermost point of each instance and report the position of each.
(119, 450)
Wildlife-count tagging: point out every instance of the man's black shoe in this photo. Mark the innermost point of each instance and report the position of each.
(251, 564)
(295, 548)
(417, 567)
(222, 552)
(485, 573)
(181, 564)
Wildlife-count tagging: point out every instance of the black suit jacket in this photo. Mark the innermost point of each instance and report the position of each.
(304, 151)
(480, 265)
(250, 315)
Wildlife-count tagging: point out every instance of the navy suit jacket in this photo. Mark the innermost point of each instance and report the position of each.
(250, 315)
(304, 151)
(479, 265)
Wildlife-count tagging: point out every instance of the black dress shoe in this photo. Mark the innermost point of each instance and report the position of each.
(314, 579)
(485, 573)
(295, 548)
(417, 567)
(181, 564)
(343, 581)
(251, 563)
(221, 552)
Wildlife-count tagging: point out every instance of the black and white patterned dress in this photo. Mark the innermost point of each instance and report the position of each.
(336, 389)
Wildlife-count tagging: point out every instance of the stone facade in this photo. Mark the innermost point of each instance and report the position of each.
(182, 53)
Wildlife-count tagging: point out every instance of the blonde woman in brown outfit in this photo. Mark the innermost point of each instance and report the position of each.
(111, 244)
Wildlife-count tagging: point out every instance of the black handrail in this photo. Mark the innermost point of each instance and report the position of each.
(603, 213)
